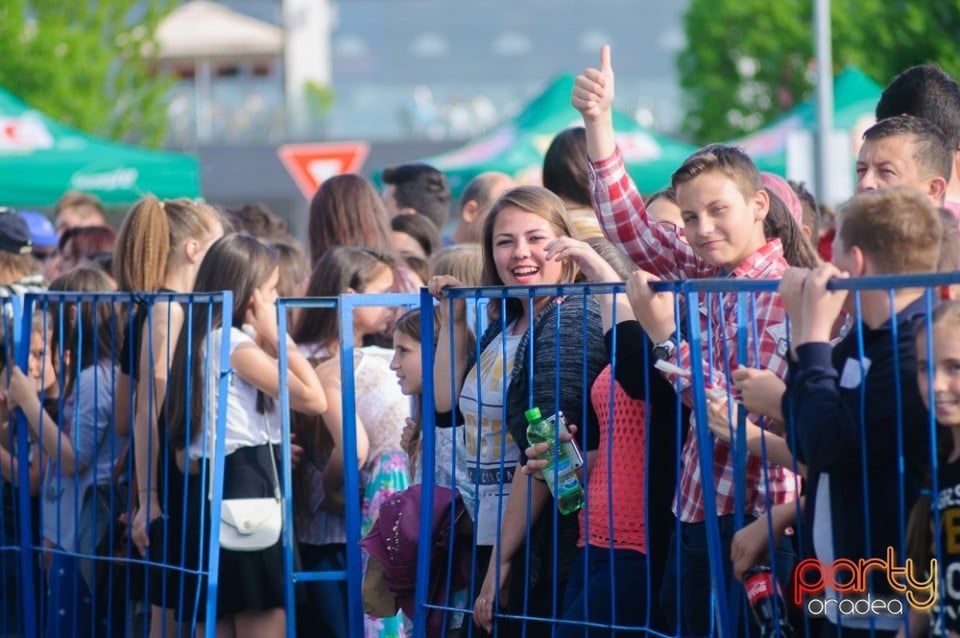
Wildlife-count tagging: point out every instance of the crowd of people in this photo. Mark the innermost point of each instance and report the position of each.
(828, 403)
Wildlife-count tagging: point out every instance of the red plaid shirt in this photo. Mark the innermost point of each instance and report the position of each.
(659, 249)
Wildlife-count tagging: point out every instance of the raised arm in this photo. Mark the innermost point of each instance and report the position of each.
(256, 362)
(53, 441)
(449, 361)
(616, 200)
(593, 94)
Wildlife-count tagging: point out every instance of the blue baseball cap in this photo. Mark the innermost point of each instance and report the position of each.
(42, 232)
(14, 234)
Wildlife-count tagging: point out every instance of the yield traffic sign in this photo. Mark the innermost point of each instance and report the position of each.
(311, 164)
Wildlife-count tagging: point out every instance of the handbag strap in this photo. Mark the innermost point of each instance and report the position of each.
(273, 459)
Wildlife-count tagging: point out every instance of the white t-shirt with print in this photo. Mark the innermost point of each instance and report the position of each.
(490, 473)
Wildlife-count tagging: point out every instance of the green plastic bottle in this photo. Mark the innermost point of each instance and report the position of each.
(562, 480)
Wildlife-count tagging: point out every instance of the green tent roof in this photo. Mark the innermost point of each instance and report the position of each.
(855, 97)
(41, 158)
(518, 146)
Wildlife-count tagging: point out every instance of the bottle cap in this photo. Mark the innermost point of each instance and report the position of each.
(533, 414)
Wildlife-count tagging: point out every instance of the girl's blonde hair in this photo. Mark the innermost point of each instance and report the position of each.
(463, 262)
(151, 232)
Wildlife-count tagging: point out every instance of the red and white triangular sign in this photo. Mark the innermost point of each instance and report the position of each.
(311, 164)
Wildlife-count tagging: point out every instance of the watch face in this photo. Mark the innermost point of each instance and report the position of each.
(663, 351)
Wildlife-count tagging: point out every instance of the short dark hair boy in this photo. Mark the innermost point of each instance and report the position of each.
(417, 188)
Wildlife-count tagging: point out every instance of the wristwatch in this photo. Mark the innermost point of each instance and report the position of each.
(666, 349)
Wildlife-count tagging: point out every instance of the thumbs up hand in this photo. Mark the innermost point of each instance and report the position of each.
(593, 89)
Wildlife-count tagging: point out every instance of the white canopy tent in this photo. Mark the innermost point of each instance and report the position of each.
(200, 35)
(201, 29)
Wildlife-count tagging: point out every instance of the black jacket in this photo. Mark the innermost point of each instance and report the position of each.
(851, 432)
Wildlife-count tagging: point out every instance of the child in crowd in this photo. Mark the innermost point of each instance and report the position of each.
(723, 204)
(250, 599)
(515, 235)
(407, 364)
(80, 450)
(938, 377)
(381, 412)
(158, 249)
(853, 408)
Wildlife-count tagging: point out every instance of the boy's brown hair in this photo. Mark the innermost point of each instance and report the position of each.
(727, 160)
(897, 228)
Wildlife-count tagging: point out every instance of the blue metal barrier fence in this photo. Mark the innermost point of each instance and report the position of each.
(725, 610)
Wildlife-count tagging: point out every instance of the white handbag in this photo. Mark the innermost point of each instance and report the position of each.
(251, 524)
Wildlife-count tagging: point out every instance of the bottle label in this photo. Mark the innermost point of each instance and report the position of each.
(760, 586)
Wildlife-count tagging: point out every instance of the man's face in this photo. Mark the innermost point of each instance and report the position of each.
(890, 161)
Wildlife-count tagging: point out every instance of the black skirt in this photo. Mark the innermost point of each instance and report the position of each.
(248, 581)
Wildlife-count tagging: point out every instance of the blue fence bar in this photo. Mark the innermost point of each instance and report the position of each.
(344, 305)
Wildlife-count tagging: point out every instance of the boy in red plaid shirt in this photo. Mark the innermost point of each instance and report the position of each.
(723, 204)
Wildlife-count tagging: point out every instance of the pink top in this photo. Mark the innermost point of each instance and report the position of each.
(623, 474)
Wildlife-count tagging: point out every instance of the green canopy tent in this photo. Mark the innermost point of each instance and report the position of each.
(518, 146)
(41, 158)
(855, 96)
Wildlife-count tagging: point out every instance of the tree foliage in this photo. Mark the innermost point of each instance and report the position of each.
(87, 63)
(749, 61)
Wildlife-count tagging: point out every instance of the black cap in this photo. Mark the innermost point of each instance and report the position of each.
(14, 232)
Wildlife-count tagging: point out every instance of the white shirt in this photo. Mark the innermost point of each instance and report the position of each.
(245, 426)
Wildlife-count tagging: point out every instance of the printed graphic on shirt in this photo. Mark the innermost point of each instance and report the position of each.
(854, 373)
(779, 334)
(487, 451)
(945, 615)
